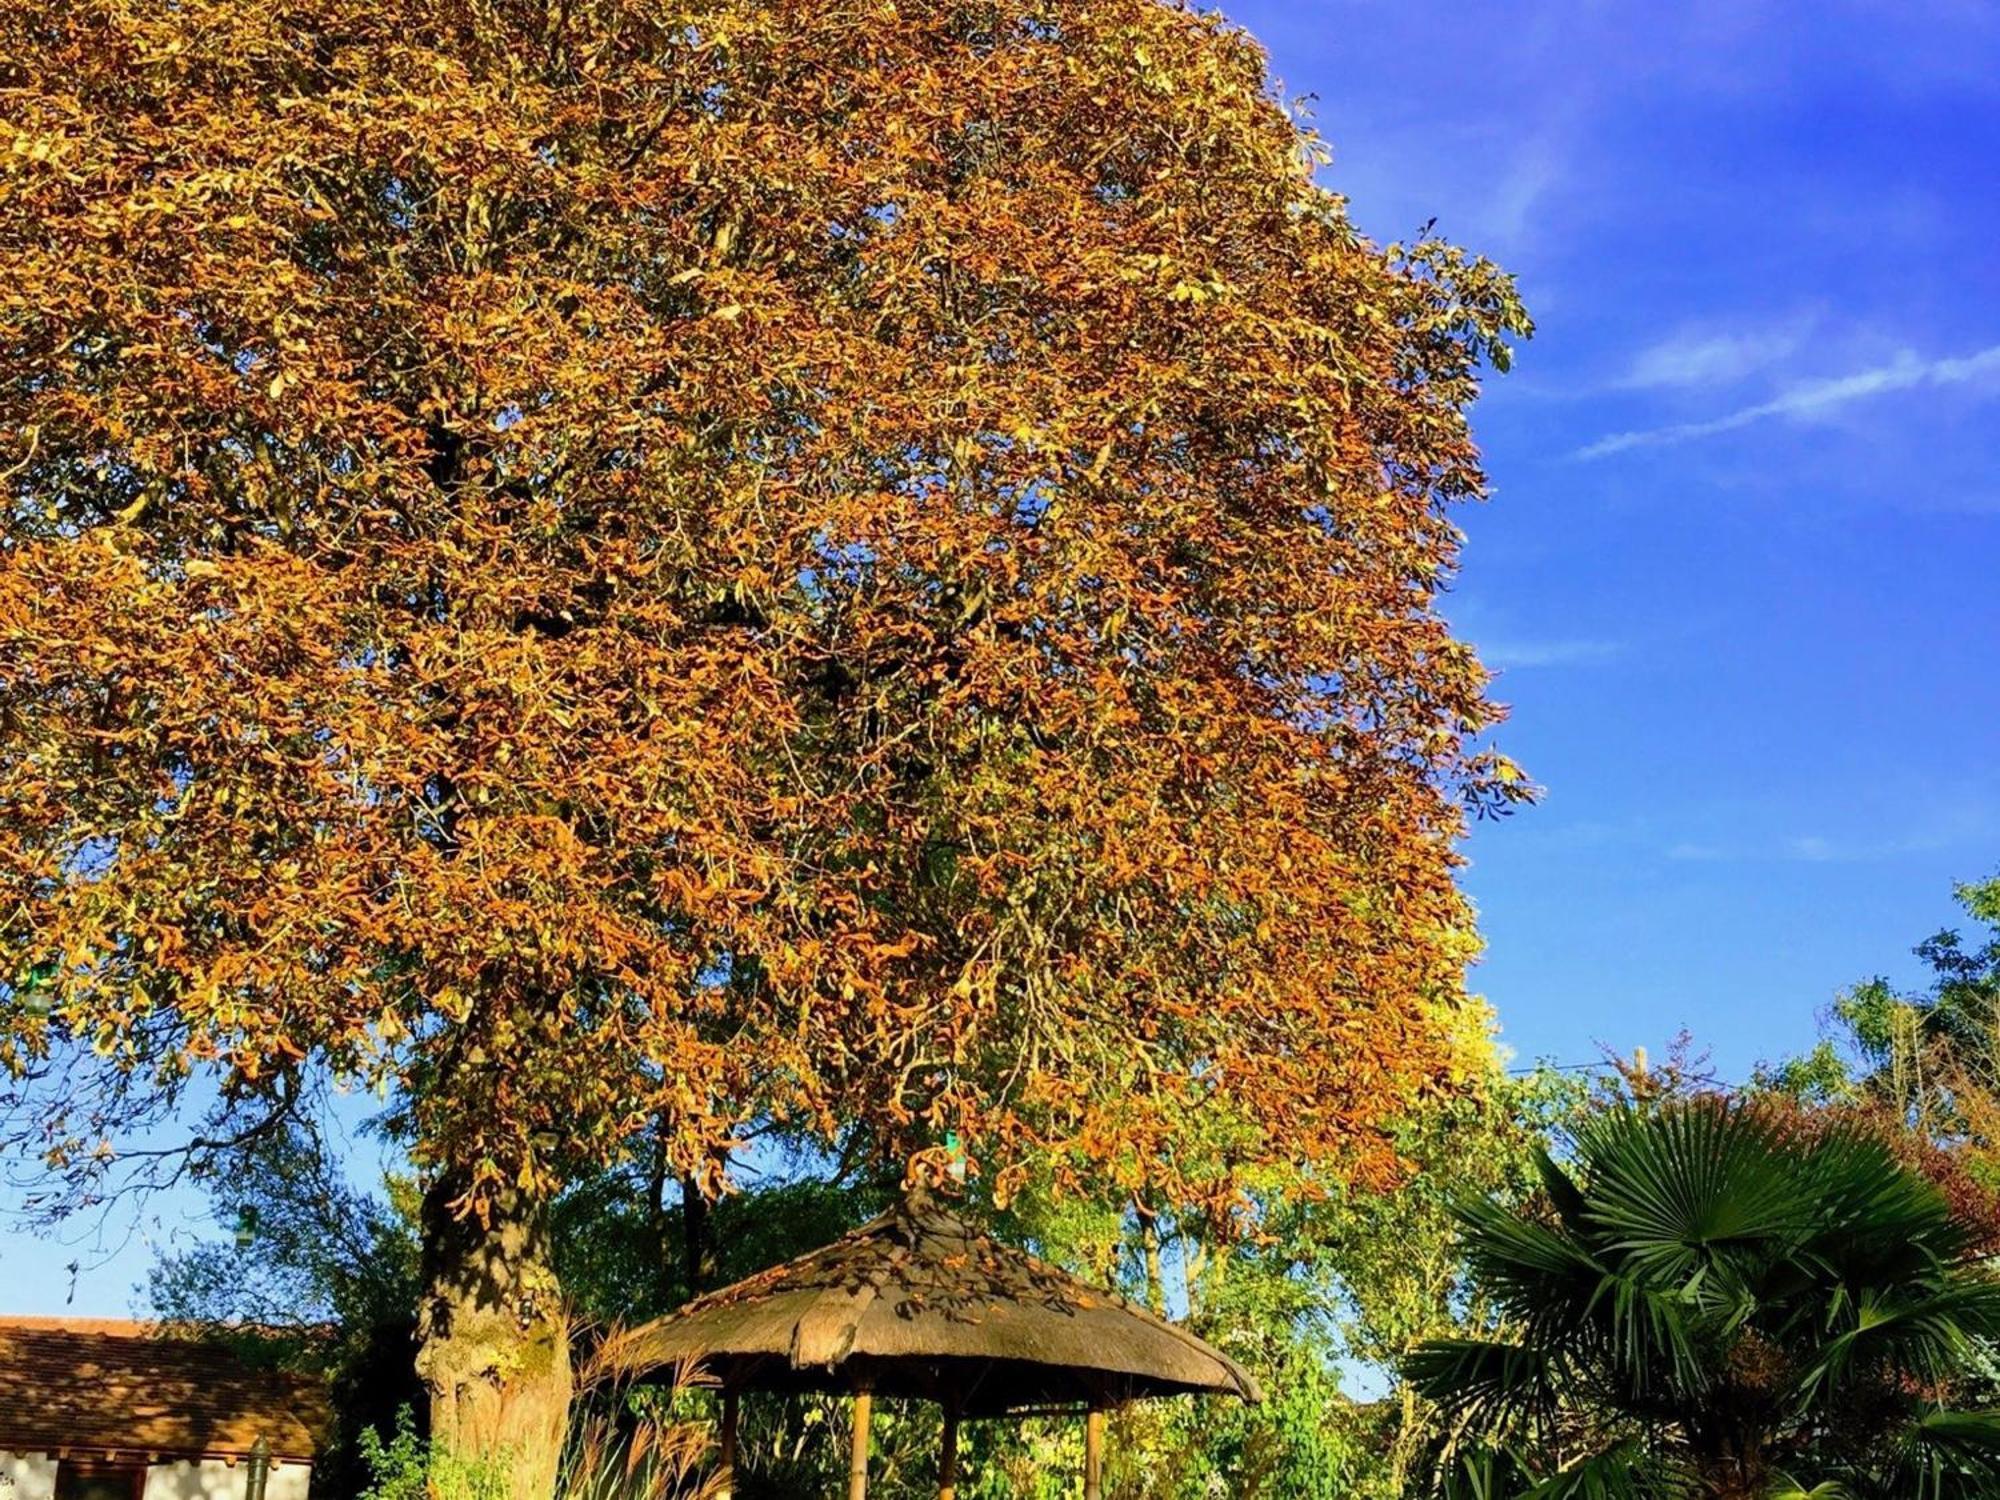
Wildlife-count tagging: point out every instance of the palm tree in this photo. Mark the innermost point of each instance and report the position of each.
(1720, 1300)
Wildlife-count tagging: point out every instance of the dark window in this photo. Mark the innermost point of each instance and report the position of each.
(95, 1479)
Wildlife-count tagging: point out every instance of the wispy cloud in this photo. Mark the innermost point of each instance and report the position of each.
(1709, 359)
(1965, 825)
(1515, 654)
(1905, 372)
(1812, 849)
(1808, 849)
(1511, 213)
(1692, 852)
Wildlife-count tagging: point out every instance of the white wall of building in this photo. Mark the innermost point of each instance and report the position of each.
(212, 1479)
(32, 1476)
(27, 1476)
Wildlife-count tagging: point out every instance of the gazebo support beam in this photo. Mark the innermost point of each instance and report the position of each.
(726, 1466)
(857, 1461)
(1093, 1454)
(948, 1454)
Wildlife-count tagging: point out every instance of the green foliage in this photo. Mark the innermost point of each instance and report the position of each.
(1821, 1076)
(325, 1274)
(1962, 1004)
(1928, 1058)
(620, 1242)
(1717, 1299)
(397, 1468)
(1322, 1445)
(1339, 1285)
(409, 1467)
(304, 1247)
(1932, 1055)
(1396, 1255)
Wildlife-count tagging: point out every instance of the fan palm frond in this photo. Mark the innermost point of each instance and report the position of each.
(1624, 1472)
(1488, 1384)
(1948, 1455)
(1784, 1487)
(1673, 1193)
(1737, 1290)
(1932, 1334)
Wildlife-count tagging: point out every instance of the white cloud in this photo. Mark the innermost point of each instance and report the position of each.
(1905, 372)
(1516, 204)
(1505, 653)
(1970, 823)
(1692, 851)
(1713, 359)
(1808, 849)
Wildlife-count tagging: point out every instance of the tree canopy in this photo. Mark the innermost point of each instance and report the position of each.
(601, 564)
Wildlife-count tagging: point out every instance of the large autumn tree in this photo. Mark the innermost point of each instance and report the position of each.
(616, 567)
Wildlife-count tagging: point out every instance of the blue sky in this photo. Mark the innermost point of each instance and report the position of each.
(1742, 570)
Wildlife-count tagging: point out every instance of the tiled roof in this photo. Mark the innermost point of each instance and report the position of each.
(104, 1384)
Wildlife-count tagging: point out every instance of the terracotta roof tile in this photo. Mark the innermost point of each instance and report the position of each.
(105, 1383)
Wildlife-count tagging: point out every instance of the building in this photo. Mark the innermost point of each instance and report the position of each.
(103, 1409)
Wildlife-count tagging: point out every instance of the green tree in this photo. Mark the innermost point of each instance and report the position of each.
(1933, 1054)
(1718, 1300)
(1930, 1056)
(1337, 1284)
(324, 1271)
(303, 1247)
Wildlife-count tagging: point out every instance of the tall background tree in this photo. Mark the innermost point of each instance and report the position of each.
(1928, 1057)
(618, 569)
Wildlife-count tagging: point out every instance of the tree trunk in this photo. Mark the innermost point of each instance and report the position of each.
(1149, 1241)
(493, 1339)
(664, 1263)
(700, 1253)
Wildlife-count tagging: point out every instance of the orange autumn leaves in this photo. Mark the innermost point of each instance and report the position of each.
(632, 566)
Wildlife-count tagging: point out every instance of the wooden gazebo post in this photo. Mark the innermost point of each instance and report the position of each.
(1093, 1453)
(948, 1452)
(857, 1461)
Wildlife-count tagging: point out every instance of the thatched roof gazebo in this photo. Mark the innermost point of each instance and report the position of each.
(916, 1304)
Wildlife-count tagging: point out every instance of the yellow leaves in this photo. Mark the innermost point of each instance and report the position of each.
(1198, 290)
(35, 148)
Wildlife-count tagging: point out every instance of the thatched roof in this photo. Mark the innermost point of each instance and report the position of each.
(915, 1303)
